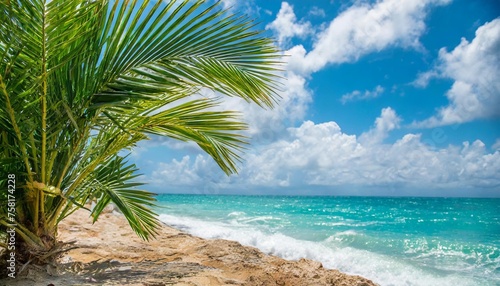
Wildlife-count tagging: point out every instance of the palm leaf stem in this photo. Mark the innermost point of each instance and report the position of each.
(13, 120)
(40, 202)
(72, 154)
(27, 235)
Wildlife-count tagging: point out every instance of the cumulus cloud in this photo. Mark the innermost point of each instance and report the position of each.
(266, 125)
(358, 95)
(362, 29)
(323, 155)
(387, 122)
(359, 30)
(229, 3)
(178, 172)
(187, 172)
(424, 78)
(247, 7)
(475, 69)
(286, 25)
(316, 11)
(496, 145)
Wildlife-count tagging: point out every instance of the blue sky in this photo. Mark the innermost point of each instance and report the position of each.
(385, 97)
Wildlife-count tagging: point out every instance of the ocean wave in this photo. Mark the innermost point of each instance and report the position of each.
(258, 219)
(347, 223)
(438, 247)
(236, 214)
(381, 268)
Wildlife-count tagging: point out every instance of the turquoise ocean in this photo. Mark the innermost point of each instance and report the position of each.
(392, 241)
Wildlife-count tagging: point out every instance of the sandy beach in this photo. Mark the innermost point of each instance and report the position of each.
(109, 253)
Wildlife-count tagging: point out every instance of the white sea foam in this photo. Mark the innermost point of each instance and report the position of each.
(257, 219)
(236, 214)
(381, 268)
(346, 223)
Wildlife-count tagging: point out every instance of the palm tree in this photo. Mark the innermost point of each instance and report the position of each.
(83, 80)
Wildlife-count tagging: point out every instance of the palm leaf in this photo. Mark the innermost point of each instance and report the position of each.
(83, 80)
(113, 182)
(181, 46)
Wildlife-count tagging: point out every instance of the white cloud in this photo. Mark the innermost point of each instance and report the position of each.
(358, 95)
(229, 3)
(323, 155)
(387, 122)
(286, 25)
(187, 173)
(362, 29)
(475, 68)
(247, 7)
(179, 172)
(266, 125)
(316, 11)
(496, 145)
(354, 32)
(424, 78)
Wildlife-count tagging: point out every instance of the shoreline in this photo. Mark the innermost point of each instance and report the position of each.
(110, 253)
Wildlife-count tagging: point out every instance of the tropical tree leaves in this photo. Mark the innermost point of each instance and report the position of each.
(113, 182)
(181, 45)
(82, 80)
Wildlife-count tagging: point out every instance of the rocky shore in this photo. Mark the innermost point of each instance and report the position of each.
(109, 253)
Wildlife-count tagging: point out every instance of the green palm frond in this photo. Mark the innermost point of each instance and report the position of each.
(213, 131)
(188, 45)
(83, 80)
(113, 182)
